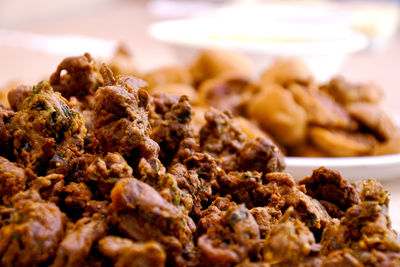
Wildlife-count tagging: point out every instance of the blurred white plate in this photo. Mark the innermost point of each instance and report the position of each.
(323, 47)
(353, 168)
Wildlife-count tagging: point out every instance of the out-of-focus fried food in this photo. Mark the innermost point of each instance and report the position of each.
(286, 71)
(321, 110)
(225, 92)
(251, 129)
(122, 62)
(178, 89)
(374, 118)
(277, 112)
(166, 75)
(198, 119)
(307, 150)
(346, 92)
(211, 63)
(339, 143)
(17, 95)
(389, 147)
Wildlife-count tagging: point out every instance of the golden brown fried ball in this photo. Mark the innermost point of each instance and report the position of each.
(277, 112)
(211, 63)
(166, 75)
(339, 143)
(286, 71)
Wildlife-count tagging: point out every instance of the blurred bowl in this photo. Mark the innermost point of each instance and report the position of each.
(323, 47)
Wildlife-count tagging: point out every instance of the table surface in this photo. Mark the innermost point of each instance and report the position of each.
(127, 21)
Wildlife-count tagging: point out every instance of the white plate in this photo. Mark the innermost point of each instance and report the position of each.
(353, 168)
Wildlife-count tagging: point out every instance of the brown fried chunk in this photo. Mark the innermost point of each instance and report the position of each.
(345, 92)
(121, 120)
(260, 155)
(375, 119)
(105, 171)
(17, 96)
(76, 76)
(328, 185)
(31, 235)
(339, 143)
(6, 137)
(266, 218)
(289, 241)
(144, 215)
(225, 92)
(12, 179)
(74, 249)
(171, 130)
(124, 252)
(47, 133)
(231, 236)
(321, 110)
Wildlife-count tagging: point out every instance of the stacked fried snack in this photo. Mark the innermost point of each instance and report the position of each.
(337, 119)
(95, 171)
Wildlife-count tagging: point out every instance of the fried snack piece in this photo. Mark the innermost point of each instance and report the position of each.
(345, 92)
(173, 128)
(81, 77)
(122, 62)
(212, 63)
(266, 218)
(121, 120)
(31, 236)
(12, 179)
(6, 136)
(321, 110)
(287, 71)
(289, 241)
(126, 253)
(47, 133)
(178, 89)
(168, 75)
(142, 214)
(375, 119)
(260, 155)
(17, 95)
(105, 171)
(275, 109)
(75, 247)
(225, 92)
(231, 235)
(338, 143)
(334, 192)
(364, 228)
(221, 135)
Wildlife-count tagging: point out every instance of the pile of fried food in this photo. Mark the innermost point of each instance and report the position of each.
(307, 119)
(97, 171)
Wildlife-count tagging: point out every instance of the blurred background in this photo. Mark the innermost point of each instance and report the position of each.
(358, 39)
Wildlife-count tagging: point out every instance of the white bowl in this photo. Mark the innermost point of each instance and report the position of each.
(324, 47)
(353, 168)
